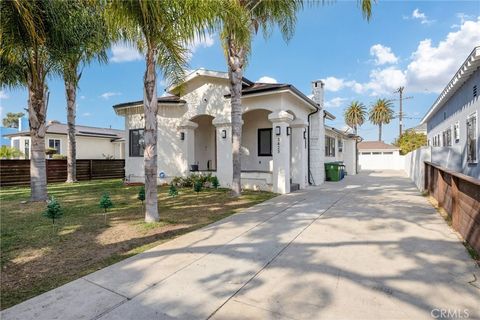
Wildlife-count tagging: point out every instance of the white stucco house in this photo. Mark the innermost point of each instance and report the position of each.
(340, 147)
(282, 141)
(92, 142)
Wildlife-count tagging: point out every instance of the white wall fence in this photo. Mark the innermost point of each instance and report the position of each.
(414, 165)
(381, 161)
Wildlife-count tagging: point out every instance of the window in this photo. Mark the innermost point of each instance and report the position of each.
(456, 132)
(388, 153)
(329, 146)
(366, 153)
(447, 137)
(472, 138)
(265, 142)
(27, 149)
(376, 153)
(137, 143)
(340, 145)
(54, 144)
(16, 144)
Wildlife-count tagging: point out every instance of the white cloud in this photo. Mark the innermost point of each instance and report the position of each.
(108, 95)
(382, 54)
(86, 114)
(267, 79)
(462, 17)
(82, 97)
(418, 15)
(335, 102)
(3, 95)
(433, 66)
(384, 81)
(334, 84)
(122, 52)
(201, 42)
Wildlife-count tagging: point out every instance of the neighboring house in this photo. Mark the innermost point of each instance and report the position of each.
(340, 147)
(378, 155)
(452, 121)
(421, 128)
(4, 131)
(282, 139)
(92, 142)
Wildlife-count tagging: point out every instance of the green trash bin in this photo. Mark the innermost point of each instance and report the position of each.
(333, 171)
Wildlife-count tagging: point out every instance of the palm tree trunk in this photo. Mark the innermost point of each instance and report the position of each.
(236, 58)
(150, 137)
(71, 93)
(380, 132)
(37, 110)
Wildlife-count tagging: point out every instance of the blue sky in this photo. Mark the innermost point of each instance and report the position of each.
(416, 44)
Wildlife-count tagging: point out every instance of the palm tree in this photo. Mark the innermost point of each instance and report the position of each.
(161, 30)
(241, 20)
(355, 115)
(85, 22)
(381, 113)
(30, 32)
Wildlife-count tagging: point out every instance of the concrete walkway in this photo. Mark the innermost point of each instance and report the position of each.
(369, 247)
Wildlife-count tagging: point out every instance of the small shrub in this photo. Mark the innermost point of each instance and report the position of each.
(198, 186)
(53, 211)
(105, 203)
(141, 194)
(58, 156)
(215, 182)
(172, 191)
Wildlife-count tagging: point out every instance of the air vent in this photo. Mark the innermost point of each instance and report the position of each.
(475, 91)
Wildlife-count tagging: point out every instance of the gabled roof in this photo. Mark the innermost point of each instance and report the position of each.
(160, 100)
(55, 127)
(471, 64)
(205, 73)
(259, 87)
(376, 145)
(340, 132)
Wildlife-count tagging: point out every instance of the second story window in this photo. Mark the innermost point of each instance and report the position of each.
(137, 143)
(54, 144)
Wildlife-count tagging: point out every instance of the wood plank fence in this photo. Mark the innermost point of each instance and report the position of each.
(17, 172)
(459, 195)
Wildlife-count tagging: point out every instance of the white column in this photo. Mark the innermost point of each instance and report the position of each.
(224, 151)
(186, 131)
(280, 151)
(299, 152)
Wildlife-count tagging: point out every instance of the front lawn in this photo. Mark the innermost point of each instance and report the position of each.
(35, 259)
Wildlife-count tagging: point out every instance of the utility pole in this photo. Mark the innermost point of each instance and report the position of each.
(400, 113)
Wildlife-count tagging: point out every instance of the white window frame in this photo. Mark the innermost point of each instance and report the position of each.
(456, 132)
(476, 137)
(59, 144)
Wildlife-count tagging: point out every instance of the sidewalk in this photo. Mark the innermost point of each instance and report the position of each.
(367, 247)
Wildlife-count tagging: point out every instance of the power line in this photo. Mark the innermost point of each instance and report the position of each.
(400, 114)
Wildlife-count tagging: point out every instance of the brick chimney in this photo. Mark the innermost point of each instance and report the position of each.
(317, 91)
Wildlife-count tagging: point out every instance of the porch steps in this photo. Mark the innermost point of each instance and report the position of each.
(294, 187)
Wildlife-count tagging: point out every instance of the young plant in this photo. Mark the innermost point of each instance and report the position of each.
(141, 195)
(172, 191)
(53, 211)
(198, 185)
(105, 203)
(215, 182)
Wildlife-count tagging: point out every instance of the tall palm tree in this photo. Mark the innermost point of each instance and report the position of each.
(241, 20)
(91, 41)
(30, 32)
(355, 115)
(161, 31)
(381, 113)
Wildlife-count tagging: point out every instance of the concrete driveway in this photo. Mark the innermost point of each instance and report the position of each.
(369, 247)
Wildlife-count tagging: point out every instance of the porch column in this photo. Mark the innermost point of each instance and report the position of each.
(299, 152)
(280, 151)
(223, 127)
(186, 136)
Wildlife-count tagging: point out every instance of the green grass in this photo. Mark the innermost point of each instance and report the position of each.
(36, 258)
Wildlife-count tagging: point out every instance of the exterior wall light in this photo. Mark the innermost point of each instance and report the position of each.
(224, 134)
(289, 131)
(278, 130)
(182, 135)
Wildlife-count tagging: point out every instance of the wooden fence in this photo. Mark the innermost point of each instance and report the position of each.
(459, 195)
(17, 172)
